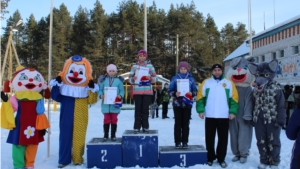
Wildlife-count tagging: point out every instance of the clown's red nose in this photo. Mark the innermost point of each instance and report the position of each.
(75, 74)
(30, 80)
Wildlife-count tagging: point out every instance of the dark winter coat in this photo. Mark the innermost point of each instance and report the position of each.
(293, 133)
(157, 93)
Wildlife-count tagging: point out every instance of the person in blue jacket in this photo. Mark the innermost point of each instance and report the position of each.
(182, 109)
(110, 111)
(293, 131)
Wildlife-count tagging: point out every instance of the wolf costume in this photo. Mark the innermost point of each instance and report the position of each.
(269, 113)
(240, 127)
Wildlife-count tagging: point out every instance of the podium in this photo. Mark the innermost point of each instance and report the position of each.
(140, 149)
(169, 156)
(104, 155)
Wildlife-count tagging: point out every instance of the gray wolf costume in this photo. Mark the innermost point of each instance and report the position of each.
(269, 113)
(240, 127)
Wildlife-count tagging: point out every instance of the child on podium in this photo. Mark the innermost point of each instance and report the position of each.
(183, 89)
(142, 74)
(111, 92)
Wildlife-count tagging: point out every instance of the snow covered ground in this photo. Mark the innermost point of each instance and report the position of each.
(126, 118)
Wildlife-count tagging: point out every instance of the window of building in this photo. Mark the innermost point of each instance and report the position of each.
(279, 35)
(263, 58)
(295, 49)
(282, 53)
(256, 59)
(274, 55)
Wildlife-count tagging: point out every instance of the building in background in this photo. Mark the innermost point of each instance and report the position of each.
(281, 42)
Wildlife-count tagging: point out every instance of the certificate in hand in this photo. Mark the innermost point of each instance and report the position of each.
(183, 86)
(110, 94)
(141, 71)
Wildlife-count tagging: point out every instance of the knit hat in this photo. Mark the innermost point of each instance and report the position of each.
(142, 52)
(216, 66)
(183, 64)
(111, 67)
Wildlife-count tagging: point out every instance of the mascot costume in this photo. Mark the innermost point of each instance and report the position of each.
(268, 114)
(29, 125)
(75, 90)
(240, 127)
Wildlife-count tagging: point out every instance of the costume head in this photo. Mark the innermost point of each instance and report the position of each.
(142, 52)
(27, 79)
(239, 73)
(77, 71)
(264, 73)
(183, 64)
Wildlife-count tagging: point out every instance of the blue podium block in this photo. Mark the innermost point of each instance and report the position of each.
(169, 156)
(140, 149)
(104, 155)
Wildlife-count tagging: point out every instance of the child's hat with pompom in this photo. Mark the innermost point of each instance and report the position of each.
(142, 52)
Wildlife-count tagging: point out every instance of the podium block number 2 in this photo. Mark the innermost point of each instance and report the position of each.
(104, 152)
(183, 157)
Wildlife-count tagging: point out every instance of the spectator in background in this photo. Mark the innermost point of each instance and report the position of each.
(156, 99)
(165, 97)
(293, 131)
(289, 102)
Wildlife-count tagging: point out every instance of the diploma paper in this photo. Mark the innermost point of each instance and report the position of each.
(183, 86)
(110, 94)
(140, 72)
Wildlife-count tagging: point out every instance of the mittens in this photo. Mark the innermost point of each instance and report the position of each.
(58, 79)
(4, 97)
(91, 84)
(43, 132)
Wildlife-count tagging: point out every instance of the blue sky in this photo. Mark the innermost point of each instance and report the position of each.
(223, 11)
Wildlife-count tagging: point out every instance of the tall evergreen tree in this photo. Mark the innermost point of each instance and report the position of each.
(61, 41)
(96, 44)
(81, 33)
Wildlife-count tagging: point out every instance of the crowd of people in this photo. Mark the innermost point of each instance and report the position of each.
(232, 105)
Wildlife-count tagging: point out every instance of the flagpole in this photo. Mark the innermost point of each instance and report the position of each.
(250, 27)
(49, 72)
(145, 26)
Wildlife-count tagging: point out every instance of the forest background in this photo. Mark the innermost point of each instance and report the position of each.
(117, 37)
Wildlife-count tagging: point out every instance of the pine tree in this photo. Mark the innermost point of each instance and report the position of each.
(61, 40)
(81, 33)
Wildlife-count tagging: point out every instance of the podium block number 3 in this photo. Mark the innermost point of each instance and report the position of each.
(183, 157)
(104, 152)
(141, 151)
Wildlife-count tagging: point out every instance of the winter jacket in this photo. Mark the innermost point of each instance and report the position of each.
(165, 97)
(177, 101)
(217, 99)
(104, 82)
(142, 90)
(157, 93)
(293, 133)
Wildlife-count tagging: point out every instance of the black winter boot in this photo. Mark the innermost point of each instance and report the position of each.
(113, 132)
(106, 130)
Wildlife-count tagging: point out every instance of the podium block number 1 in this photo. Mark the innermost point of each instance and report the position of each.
(183, 157)
(141, 151)
(104, 152)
